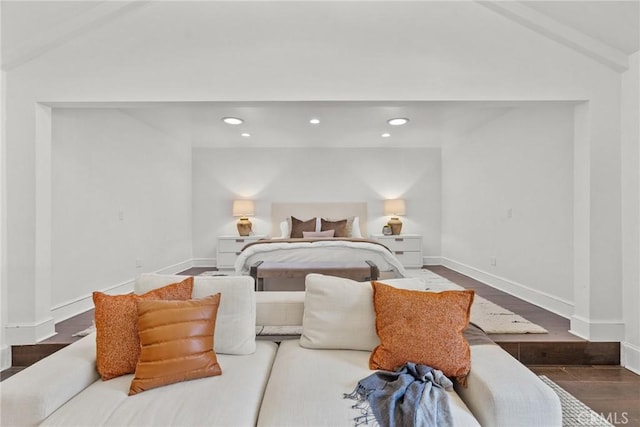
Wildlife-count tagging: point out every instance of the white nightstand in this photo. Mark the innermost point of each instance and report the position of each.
(229, 248)
(406, 247)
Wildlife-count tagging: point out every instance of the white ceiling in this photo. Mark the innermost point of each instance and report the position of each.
(32, 28)
(615, 23)
(342, 124)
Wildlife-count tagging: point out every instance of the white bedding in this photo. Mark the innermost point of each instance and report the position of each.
(319, 251)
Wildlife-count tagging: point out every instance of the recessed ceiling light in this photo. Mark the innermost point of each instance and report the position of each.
(398, 121)
(245, 134)
(385, 135)
(232, 120)
(314, 121)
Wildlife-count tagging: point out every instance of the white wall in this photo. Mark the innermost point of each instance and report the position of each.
(314, 175)
(317, 51)
(507, 193)
(121, 193)
(631, 213)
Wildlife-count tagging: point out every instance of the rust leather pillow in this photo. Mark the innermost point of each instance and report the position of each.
(298, 226)
(339, 227)
(177, 342)
(422, 327)
(117, 342)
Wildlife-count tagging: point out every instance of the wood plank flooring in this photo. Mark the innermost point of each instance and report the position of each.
(605, 387)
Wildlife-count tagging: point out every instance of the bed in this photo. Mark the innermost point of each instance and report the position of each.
(309, 248)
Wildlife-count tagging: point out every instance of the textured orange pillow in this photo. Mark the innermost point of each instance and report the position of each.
(177, 342)
(117, 342)
(422, 327)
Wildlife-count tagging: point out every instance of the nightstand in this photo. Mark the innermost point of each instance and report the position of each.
(406, 247)
(229, 248)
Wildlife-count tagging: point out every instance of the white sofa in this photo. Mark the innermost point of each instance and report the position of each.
(285, 385)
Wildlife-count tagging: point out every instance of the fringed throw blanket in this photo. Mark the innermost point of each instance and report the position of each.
(414, 395)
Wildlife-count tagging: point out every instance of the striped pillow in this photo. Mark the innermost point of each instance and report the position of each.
(177, 342)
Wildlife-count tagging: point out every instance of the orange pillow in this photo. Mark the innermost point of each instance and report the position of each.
(422, 327)
(177, 342)
(117, 342)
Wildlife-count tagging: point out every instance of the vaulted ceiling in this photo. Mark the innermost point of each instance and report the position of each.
(605, 31)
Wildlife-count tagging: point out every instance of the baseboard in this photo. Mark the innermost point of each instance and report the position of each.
(630, 357)
(176, 268)
(29, 333)
(431, 260)
(597, 331)
(204, 262)
(5, 358)
(80, 305)
(551, 303)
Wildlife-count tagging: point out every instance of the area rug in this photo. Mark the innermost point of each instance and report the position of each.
(574, 412)
(492, 318)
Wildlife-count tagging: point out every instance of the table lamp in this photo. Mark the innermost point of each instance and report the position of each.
(243, 209)
(395, 208)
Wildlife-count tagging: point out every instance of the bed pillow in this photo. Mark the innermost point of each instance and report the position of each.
(340, 227)
(339, 314)
(284, 229)
(355, 228)
(117, 342)
(423, 328)
(236, 322)
(298, 226)
(318, 234)
(176, 339)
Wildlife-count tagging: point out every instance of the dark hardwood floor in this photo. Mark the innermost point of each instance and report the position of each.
(589, 371)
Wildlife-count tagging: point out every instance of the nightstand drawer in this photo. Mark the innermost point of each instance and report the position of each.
(227, 259)
(233, 245)
(400, 243)
(409, 259)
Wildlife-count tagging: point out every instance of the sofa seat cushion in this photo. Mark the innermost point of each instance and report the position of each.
(311, 384)
(232, 398)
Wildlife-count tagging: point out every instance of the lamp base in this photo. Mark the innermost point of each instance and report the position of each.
(244, 226)
(396, 225)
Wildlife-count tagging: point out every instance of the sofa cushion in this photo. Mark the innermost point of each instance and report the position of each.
(338, 313)
(231, 399)
(176, 339)
(279, 308)
(422, 327)
(117, 343)
(235, 325)
(311, 384)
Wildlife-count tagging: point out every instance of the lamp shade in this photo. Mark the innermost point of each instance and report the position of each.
(394, 207)
(243, 208)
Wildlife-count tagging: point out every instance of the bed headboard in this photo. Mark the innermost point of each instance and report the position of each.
(334, 210)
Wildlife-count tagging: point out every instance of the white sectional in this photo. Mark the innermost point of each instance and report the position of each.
(285, 385)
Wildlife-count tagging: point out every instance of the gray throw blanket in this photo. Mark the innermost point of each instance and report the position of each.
(414, 395)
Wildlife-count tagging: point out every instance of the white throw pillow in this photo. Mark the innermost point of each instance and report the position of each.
(339, 314)
(355, 230)
(285, 233)
(235, 324)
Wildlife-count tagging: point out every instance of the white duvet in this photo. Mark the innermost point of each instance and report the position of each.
(319, 251)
